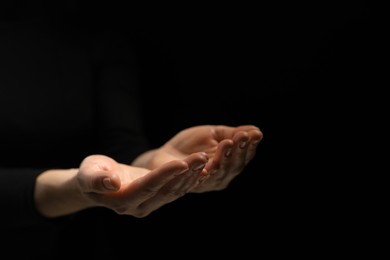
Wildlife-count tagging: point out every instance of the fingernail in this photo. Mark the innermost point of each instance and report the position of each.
(242, 144)
(108, 184)
(228, 152)
(197, 168)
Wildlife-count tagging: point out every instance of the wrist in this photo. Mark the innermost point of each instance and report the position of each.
(57, 193)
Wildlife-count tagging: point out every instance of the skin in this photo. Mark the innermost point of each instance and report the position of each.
(197, 159)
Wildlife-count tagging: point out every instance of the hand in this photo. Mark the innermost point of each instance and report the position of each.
(229, 150)
(137, 191)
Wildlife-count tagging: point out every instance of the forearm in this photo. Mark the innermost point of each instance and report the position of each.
(57, 194)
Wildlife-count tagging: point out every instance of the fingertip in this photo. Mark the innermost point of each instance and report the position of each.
(204, 155)
(257, 137)
(180, 167)
(111, 184)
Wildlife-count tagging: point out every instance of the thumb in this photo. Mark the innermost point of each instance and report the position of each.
(100, 182)
(110, 183)
(97, 173)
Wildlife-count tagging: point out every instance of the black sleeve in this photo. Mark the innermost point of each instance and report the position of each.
(17, 200)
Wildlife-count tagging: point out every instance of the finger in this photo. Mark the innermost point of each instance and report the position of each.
(178, 186)
(100, 182)
(224, 150)
(255, 136)
(247, 128)
(192, 177)
(196, 163)
(238, 152)
(238, 157)
(222, 132)
(97, 174)
(175, 188)
(229, 159)
(149, 185)
(240, 144)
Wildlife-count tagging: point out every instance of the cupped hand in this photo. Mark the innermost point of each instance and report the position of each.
(228, 148)
(138, 191)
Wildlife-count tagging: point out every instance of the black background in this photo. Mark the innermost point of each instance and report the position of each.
(296, 70)
(301, 73)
